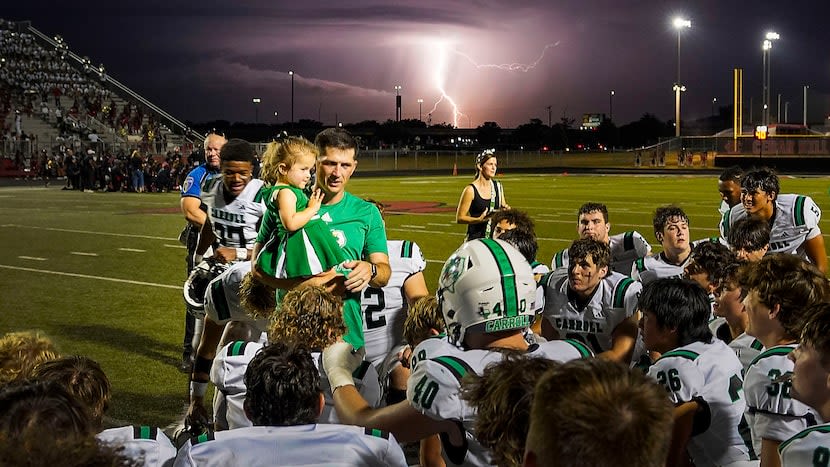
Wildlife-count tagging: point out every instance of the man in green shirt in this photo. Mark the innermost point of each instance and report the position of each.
(355, 223)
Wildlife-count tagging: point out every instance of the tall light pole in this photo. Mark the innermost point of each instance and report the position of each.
(679, 24)
(611, 106)
(420, 114)
(256, 101)
(291, 73)
(766, 47)
(714, 101)
(778, 119)
(804, 121)
(398, 103)
(276, 117)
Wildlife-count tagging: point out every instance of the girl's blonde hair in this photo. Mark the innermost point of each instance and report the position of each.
(285, 151)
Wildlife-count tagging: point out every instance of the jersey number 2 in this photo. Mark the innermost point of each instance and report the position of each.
(369, 313)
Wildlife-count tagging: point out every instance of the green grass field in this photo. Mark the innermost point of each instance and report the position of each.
(101, 272)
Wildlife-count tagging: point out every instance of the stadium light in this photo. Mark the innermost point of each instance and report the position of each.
(611, 106)
(420, 104)
(766, 50)
(256, 100)
(679, 24)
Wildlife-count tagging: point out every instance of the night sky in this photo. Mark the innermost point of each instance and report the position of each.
(206, 60)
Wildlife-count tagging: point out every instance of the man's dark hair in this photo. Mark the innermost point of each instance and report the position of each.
(516, 217)
(525, 242)
(580, 249)
(588, 208)
(237, 150)
(283, 386)
(749, 234)
(336, 138)
(713, 258)
(733, 173)
(679, 304)
(664, 214)
(763, 179)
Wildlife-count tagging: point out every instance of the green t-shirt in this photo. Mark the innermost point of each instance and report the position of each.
(359, 230)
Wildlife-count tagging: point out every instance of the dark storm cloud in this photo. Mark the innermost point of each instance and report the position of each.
(204, 60)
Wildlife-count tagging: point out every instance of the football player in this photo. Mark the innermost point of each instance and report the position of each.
(749, 238)
(779, 291)
(486, 292)
(700, 373)
(729, 305)
(284, 401)
(811, 385)
(589, 407)
(235, 208)
(593, 305)
(793, 218)
(85, 380)
(671, 229)
(592, 222)
(309, 316)
(729, 187)
(501, 397)
(385, 308)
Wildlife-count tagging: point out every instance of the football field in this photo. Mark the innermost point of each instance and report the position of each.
(101, 273)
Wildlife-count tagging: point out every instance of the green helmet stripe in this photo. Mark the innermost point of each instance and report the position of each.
(510, 293)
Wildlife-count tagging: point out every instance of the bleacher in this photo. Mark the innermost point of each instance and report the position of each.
(52, 98)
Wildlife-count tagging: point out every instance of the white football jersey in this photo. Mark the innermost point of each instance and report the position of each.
(794, 222)
(653, 267)
(235, 224)
(434, 388)
(625, 247)
(222, 297)
(614, 301)
(710, 374)
(141, 442)
(747, 348)
(807, 448)
(298, 445)
(384, 309)
(771, 412)
(228, 375)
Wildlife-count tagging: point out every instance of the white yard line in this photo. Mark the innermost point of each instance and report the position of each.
(86, 276)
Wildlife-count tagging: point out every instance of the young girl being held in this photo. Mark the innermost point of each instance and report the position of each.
(299, 244)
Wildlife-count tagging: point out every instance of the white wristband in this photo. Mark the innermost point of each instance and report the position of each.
(241, 254)
(339, 362)
(198, 389)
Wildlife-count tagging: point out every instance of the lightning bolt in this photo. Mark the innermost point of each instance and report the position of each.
(441, 55)
(511, 66)
(439, 78)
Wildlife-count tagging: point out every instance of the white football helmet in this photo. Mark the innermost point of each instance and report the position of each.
(486, 286)
(197, 283)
